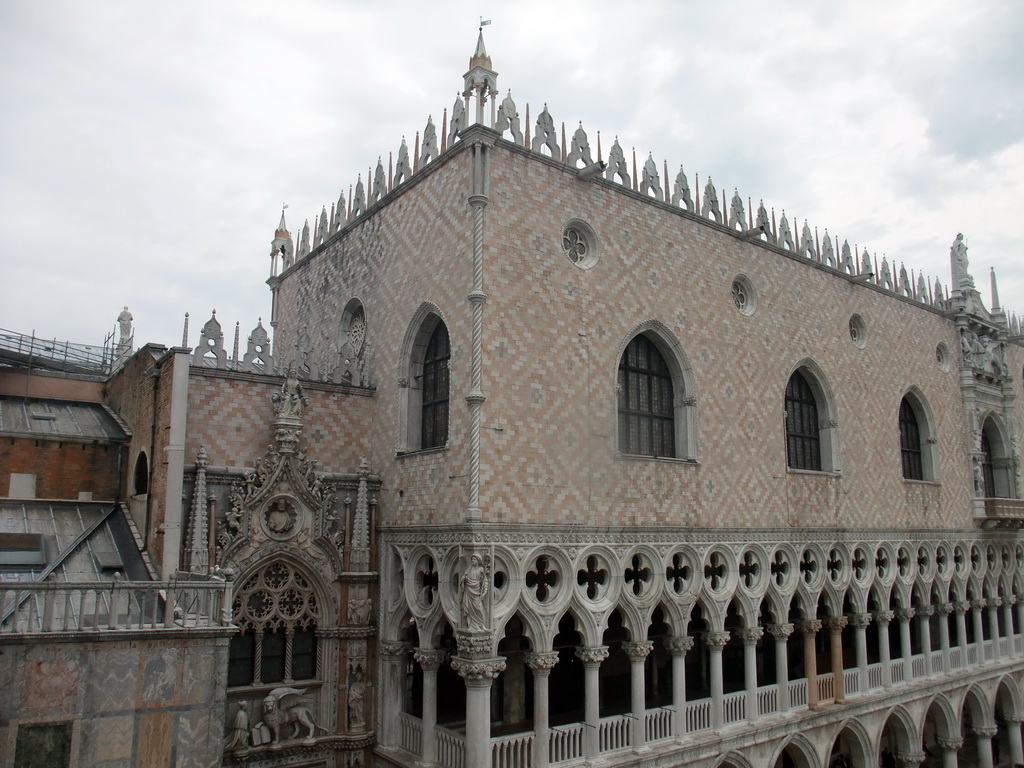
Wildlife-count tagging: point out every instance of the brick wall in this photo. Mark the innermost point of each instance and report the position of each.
(63, 469)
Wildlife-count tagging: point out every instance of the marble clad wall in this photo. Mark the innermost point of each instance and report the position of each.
(153, 702)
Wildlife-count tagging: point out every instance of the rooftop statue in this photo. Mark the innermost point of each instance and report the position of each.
(958, 261)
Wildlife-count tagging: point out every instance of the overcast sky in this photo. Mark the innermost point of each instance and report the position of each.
(146, 148)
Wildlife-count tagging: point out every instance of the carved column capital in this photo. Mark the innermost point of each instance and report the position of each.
(1010, 600)
(927, 611)
(810, 626)
(835, 623)
(910, 759)
(995, 602)
(474, 644)
(750, 635)
(394, 648)
(780, 631)
(978, 603)
(905, 614)
(542, 662)
(944, 609)
(949, 744)
(860, 620)
(884, 617)
(592, 656)
(716, 640)
(429, 658)
(678, 646)
(984, 731)
(961, 606)
(1014, 718)
(638, 649)
(477, 670)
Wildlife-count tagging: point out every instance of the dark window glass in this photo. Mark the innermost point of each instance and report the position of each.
(304, 654)
(141, 479)
(987, 474)
(434, 432)
(646, 401)
(272, 658)
(910, 443)
(240, 657)
(803, 443)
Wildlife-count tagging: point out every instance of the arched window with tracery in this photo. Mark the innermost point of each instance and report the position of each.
(435, 389)
(277, 611)
(646, 401)
(910, 442)
(803, 441)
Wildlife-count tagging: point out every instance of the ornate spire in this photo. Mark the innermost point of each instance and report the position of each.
(282, 249)
(481, 80)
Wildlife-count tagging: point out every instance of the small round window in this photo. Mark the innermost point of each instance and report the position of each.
(858, 331)
(579, 243)
(942, 357)
(743, 295)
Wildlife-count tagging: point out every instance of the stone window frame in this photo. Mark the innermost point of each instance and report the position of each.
(414, 348)
(927, 441)
(140, 475)
(997, 467)
(684, 417)
(827, 426)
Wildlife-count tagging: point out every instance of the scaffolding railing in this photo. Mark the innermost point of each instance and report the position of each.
(22, 350)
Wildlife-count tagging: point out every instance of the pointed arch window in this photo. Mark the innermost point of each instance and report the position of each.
(140, 478)
(910, 443)
(434, 382)
(803, 440)
(277, 612)
(988, 474)
(646, 401)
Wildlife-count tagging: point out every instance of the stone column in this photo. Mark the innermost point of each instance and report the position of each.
(1013, 736)
(430, 660)
(993, 625)
(750, 636)
(904, 615)
(882, 619)
(478, 674)
(835, 625)
(944, 609)
(591, 658)
(1020, 614)
(950, 748)
(984, 734)
(859, 622)
(960, 607)
(541, 665)
(392, 691)
(910, 759)
(1008, 602)
(715, 642)
(979, 633)
(810, 628)
(678, 646)
(924, 627)
(781, 633)
(637, 652)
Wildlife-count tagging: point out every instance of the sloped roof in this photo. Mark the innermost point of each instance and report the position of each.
(70, 420)
(76, 541)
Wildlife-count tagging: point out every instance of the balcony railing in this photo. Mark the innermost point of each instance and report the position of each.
(53, 607)
(567, 743)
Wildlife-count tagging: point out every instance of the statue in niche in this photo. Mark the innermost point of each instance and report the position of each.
(617, 164)
(579, 148)
(710, 203)
(458, 118)
(508, 119)
(681, 190)
(544, 136)
(737, 216)
(475, 583)
(356, 697)
(281, 517)
(359, 610)
(290, 399)
(958, 257)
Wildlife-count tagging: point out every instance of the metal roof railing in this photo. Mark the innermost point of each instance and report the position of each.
(29, 351)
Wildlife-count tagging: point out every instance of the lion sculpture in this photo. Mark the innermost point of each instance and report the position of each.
(287, 706)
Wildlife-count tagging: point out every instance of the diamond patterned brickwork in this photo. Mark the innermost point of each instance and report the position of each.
(553, 335)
